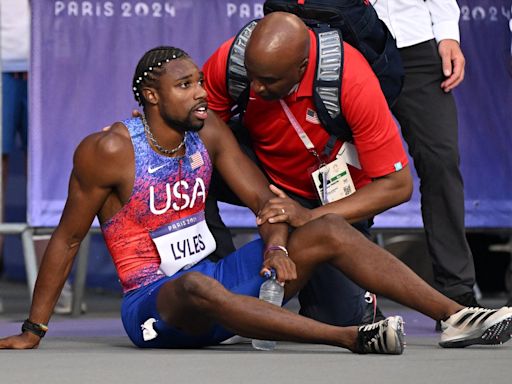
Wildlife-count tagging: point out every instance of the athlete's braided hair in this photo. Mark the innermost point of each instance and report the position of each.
(151, 67)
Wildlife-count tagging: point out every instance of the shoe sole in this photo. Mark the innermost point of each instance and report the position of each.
(398, 326)
(497, 334)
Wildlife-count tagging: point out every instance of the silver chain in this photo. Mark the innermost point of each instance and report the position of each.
(155, 143)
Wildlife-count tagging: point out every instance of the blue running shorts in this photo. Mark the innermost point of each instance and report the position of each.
(238, 272)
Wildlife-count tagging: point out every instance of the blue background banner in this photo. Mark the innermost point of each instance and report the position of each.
(84, 54)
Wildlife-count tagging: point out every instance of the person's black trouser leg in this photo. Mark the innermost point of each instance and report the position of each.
(428, 119)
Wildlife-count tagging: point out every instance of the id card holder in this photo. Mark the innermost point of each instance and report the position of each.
(333, 181)
(183, 243)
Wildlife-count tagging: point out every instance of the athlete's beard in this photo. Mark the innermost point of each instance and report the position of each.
(184, 125)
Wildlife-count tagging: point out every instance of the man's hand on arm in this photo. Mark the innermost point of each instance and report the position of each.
(283, 209)
(453, 63)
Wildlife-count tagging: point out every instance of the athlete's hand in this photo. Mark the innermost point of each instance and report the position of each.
(281, 263)
(283, 209)
(25, 340)
(453, 63)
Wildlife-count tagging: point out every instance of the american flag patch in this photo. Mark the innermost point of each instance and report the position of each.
(312, 117)
(196, 160)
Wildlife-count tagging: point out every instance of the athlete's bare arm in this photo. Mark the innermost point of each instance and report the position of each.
(101, 168)
(249, 184)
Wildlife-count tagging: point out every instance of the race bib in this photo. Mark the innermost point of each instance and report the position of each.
(333, 181)
(183, 243)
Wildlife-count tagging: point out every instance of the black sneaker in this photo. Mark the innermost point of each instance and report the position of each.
(477, 326)
(385, 336)
(372, 312)
(467, 300)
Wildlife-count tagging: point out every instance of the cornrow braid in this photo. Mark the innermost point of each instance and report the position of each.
(151, 67)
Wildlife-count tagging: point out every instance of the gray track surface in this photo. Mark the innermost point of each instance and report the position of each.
(93, 349)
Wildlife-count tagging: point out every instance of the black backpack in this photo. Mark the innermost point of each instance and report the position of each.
(357, 23)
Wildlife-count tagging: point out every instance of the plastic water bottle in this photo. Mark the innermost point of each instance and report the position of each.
(272, 292)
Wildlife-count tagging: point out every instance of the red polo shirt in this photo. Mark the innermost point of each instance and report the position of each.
(282, 154)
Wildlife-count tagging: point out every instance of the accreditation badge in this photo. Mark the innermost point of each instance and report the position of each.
(183, 243)
(333, 181)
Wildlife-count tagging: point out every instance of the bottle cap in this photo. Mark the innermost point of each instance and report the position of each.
(270, 274)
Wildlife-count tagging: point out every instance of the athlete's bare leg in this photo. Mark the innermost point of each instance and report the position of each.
(195, 302)
(331, 239)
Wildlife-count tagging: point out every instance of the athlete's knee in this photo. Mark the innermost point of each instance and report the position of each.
(334, 220)
(197, 284)
(200, 289)
(332, 229)
(334, 225)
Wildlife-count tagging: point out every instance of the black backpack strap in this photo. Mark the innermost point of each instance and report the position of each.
(329, 146)
(237, 83)
(327, 84)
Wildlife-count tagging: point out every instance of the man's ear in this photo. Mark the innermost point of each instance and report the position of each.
(150, 95)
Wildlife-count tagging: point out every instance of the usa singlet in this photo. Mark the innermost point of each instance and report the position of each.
(168, 197)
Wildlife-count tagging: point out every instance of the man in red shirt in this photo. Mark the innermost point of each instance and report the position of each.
(288, 141)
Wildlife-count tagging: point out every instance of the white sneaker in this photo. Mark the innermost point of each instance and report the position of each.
(385, 336)
(477, 326)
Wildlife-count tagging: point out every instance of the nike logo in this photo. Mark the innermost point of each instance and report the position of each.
(153, 170)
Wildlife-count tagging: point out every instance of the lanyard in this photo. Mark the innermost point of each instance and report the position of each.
(308, 144)
(300, 132)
